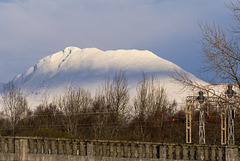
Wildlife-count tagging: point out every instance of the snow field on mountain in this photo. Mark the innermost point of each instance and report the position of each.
(89, 68)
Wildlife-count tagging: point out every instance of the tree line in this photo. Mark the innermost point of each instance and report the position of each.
(110, 114)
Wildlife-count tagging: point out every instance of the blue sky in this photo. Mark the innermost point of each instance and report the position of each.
(33, 29)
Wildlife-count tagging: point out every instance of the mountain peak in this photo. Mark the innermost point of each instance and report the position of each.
(70, 48)
(73, 58)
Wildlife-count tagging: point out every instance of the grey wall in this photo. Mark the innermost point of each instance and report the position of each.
(46, 149)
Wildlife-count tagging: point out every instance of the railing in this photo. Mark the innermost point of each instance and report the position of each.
(119, 149)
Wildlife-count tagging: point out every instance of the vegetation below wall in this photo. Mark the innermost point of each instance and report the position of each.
(109, 115)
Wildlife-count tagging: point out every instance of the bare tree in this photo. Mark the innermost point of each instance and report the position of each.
(14, 104)
(140, 101)
(151, 96)
(151, 105)
(220, 56)
(111, 102)
(74, 105)
(119, 92)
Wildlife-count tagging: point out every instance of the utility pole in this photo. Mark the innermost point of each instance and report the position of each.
(227, 113)
(201, 100)
(188, 121)
(223, 124)
(189, 102)
(230, 115)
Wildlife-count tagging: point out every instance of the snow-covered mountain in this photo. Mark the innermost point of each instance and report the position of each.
(89, 67)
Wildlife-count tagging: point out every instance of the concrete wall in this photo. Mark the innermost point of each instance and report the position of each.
(46, 149)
